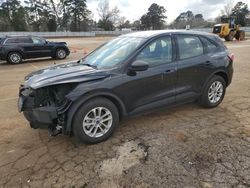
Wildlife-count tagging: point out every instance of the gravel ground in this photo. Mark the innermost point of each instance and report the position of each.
(186, 146)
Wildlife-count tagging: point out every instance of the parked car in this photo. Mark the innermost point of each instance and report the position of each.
(131, 74)
(15, 49)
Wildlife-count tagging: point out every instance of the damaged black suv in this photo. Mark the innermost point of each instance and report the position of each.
(131, 74)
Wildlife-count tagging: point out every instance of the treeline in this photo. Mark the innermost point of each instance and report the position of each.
(73, 15)
(44, 15)
(239, 11)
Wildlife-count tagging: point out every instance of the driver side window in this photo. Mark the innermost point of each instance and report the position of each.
(157, 52)
(38, 40)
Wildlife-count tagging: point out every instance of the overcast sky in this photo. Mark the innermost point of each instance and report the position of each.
(134, 9)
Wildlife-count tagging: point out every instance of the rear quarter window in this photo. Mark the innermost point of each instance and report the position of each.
(217, 40)
(209, 45)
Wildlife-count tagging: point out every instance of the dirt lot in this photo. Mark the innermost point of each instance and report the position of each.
(186, 146)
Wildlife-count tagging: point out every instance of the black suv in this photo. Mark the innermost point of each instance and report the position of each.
(15, 49)
(131, 74)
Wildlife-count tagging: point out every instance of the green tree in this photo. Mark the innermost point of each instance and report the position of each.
(34, 9)
(79, 12)
(5, 24)
(240, 10)
(136, 25)
(18, 20)
(52, 24)
(155, 17)
(13, 16)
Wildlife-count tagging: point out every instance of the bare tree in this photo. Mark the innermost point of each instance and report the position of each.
(227, 11)
(108, 17)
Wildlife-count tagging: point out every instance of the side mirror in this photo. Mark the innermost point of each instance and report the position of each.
(138, 66)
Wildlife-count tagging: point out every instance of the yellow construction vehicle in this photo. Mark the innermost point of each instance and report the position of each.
(228, 30)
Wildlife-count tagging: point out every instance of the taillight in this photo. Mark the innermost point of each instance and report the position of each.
(231, 56)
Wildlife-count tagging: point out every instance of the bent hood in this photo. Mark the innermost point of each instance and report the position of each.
(63, 73)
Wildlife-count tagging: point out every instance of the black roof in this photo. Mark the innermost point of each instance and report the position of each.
(16, 36)
(149, 34)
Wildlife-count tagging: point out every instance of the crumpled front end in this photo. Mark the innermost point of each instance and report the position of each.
(45, 108)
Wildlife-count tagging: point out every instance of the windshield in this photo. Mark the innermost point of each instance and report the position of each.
(113, 53)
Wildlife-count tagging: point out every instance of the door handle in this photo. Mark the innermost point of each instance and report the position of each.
(208, 63)
(169, 71)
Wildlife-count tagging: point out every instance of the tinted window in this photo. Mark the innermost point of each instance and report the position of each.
(11, 41)
(158, 52)
(24, 40)
(37, 40)
(218, 40)
(189, 46)
(210, 47)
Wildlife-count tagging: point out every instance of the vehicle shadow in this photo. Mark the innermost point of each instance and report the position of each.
(4, 63)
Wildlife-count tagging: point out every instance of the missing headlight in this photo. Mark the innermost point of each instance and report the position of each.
(52, 95)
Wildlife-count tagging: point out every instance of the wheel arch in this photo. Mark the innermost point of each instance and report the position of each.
(17, 51)
(83, 99)
(221, 73)
(224, 75)
(56, 48)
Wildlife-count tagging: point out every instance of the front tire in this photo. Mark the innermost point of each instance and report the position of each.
(230, 36)
(61, 53)
(214, 92)
(95, 121)
(14, 58)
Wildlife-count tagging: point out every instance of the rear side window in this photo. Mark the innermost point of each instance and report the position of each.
(189, 46)
(11, 41)
(24, 40)
(210, 47)
(218, 41)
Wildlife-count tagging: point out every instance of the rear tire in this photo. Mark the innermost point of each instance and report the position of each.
(95, 121)
(213, 92)
(14, 58)
(230, 36)
(61, 53)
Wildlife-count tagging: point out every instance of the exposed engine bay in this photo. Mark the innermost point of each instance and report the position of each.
(46, 105)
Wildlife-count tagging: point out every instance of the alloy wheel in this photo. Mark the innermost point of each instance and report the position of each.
(61, 54)
(15, 58)
(97, 122)
(215, 92)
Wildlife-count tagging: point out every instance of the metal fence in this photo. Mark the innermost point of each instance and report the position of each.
(246, 29)
(88, 34)
(50, 34)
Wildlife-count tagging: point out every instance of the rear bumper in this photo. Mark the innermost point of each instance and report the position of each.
(68, 52)
(230, 72)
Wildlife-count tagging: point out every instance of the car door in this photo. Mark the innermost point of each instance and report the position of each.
(26, 44)
(155, 86)
(41, 48)
(192, 65)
